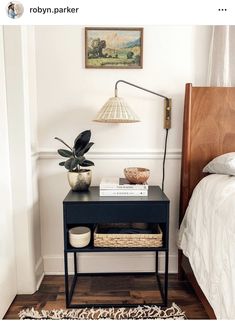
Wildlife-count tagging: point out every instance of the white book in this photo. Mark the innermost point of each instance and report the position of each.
(110, 183)
(124, 192)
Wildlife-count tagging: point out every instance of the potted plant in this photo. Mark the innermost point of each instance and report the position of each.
(79, 178)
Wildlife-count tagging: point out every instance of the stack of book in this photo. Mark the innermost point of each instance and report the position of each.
(115, 186)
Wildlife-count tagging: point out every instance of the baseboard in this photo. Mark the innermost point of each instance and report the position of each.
(109, 262)
(39, 272)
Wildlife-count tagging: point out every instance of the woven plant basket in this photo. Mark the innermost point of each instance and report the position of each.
(127, 240)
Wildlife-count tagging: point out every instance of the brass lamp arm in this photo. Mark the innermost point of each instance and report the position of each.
(133, 85)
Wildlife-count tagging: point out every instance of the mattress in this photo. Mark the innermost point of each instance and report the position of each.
(207, 238)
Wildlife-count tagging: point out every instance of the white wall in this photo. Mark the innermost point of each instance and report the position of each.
(69, 97)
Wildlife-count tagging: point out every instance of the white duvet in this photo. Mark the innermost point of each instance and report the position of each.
(207, 238)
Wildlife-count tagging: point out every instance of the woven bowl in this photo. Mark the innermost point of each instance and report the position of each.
(137, 175)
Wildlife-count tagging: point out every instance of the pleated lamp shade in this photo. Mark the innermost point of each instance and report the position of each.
(116, 110)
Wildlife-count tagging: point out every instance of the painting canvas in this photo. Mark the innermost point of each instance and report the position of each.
(114, 48)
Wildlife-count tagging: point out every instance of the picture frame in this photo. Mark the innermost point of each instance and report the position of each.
(114, 48)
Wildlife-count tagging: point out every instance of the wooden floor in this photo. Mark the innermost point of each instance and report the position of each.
(109, 289)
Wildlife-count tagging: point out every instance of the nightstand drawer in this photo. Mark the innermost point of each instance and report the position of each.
(111, 213)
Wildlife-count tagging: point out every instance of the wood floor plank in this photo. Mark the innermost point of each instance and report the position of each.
(141, 289)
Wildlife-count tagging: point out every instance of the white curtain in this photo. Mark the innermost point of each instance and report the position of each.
(221, 70)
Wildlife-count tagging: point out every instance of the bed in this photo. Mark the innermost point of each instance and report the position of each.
(207, 232)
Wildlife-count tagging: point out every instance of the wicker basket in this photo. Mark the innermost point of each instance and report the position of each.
(102, 239)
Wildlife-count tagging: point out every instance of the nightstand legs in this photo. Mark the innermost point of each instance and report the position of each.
(164, 293)
(66, 278)
(75, 263)
(166, 278)
(69, 290)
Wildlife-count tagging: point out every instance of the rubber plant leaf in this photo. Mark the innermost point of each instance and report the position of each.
(87, 163)
(82, 140)
(67, 164)
(60, 140)
(65, 152)
(84, 150)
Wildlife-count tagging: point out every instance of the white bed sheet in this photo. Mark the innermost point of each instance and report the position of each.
(207, 238)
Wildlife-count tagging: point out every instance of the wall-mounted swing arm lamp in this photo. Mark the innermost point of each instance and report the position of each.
(116, 110)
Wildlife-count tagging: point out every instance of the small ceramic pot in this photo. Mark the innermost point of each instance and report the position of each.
(81, 180)
(79, 236)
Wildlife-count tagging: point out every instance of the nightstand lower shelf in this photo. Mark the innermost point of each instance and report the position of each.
(91, 248)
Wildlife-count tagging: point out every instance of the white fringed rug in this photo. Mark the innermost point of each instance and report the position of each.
(138, 313)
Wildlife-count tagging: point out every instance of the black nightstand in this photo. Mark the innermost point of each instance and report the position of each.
(88, 208)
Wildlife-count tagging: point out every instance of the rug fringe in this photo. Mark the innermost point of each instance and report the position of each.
(140, 312)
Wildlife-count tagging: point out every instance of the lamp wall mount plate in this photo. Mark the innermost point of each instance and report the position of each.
(167, 113)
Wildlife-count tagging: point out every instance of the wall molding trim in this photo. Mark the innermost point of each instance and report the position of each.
(110, 262)
(117, 154)
(35, 155)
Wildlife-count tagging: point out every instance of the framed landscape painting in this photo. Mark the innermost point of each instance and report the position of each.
(114, 48)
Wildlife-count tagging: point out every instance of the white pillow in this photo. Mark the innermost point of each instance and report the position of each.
(223, 164)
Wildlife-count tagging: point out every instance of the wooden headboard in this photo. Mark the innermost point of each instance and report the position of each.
(209, 131)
